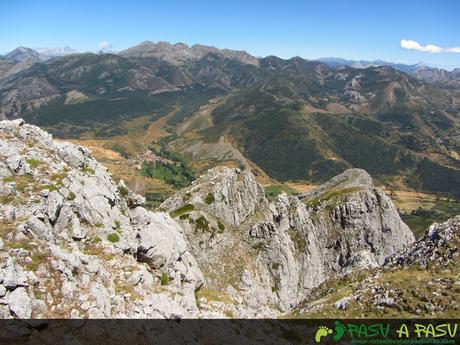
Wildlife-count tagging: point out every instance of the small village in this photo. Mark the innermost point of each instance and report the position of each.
(149, 156)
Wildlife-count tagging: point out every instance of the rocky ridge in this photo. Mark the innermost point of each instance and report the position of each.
(419, 281)
(179, 53)
(276, 253)
(439, 245)
(75, 244)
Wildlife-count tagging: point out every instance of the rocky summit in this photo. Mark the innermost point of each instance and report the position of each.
(75, 244)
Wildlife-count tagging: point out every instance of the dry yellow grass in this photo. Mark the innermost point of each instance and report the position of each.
(408, 200)
(301, 187)
(336, 108)
(156, 130)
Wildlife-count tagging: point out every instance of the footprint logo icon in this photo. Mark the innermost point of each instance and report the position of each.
(322, 332)
(339, 330)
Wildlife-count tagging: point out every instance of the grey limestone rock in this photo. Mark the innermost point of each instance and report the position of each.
(90, 243)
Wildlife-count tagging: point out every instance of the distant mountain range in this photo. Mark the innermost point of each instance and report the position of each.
(420, 70)
(339, 62)
(41, 54)
(291, 119)
(179, 52)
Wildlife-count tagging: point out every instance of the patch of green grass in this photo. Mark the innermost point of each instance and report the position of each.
(57, 178)
(122, 287)
(220, 226)
(37, 259)
(182, 210)
(50, 187)
(23, 181)
(184, 217)
(213, 134)
(113, 237)
(329, 195)
(117, 224)
(97, 112)
(88, 170)
(71, 196)
(202, 224)
(8, 179)
(271, 192)
(33, 163)
(437, 178)
(123, 191)
(96, 240)
(209, 199)
(418, 224)
(164, 280)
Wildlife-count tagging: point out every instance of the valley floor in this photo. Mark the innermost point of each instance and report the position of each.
(123, 156)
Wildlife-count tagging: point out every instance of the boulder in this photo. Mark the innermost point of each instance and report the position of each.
(20, 303)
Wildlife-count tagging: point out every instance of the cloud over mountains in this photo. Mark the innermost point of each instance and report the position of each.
(429, 48)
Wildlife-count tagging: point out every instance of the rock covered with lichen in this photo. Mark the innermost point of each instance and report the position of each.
(260, 253)
(75, 244)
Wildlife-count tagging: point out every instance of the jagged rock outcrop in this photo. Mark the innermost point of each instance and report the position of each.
(265, 253)
(420, 280)
(74, 244)
(229, 194)
(439, 245)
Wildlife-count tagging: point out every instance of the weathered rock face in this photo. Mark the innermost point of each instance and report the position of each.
(74, 244)
(420, 280)
(265, 253)
(439, 245)
(230, 195)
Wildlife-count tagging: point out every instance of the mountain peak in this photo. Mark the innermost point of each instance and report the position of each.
(40, 54)
(23, 53)
(178, 53)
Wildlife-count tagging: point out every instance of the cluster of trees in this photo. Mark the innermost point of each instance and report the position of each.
(176, 174)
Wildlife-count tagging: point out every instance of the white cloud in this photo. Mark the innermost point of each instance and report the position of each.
(429, 48)
(455, 50)
(105, 46)
(413, 45)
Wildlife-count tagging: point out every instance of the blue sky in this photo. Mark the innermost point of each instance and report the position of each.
(353, 29)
